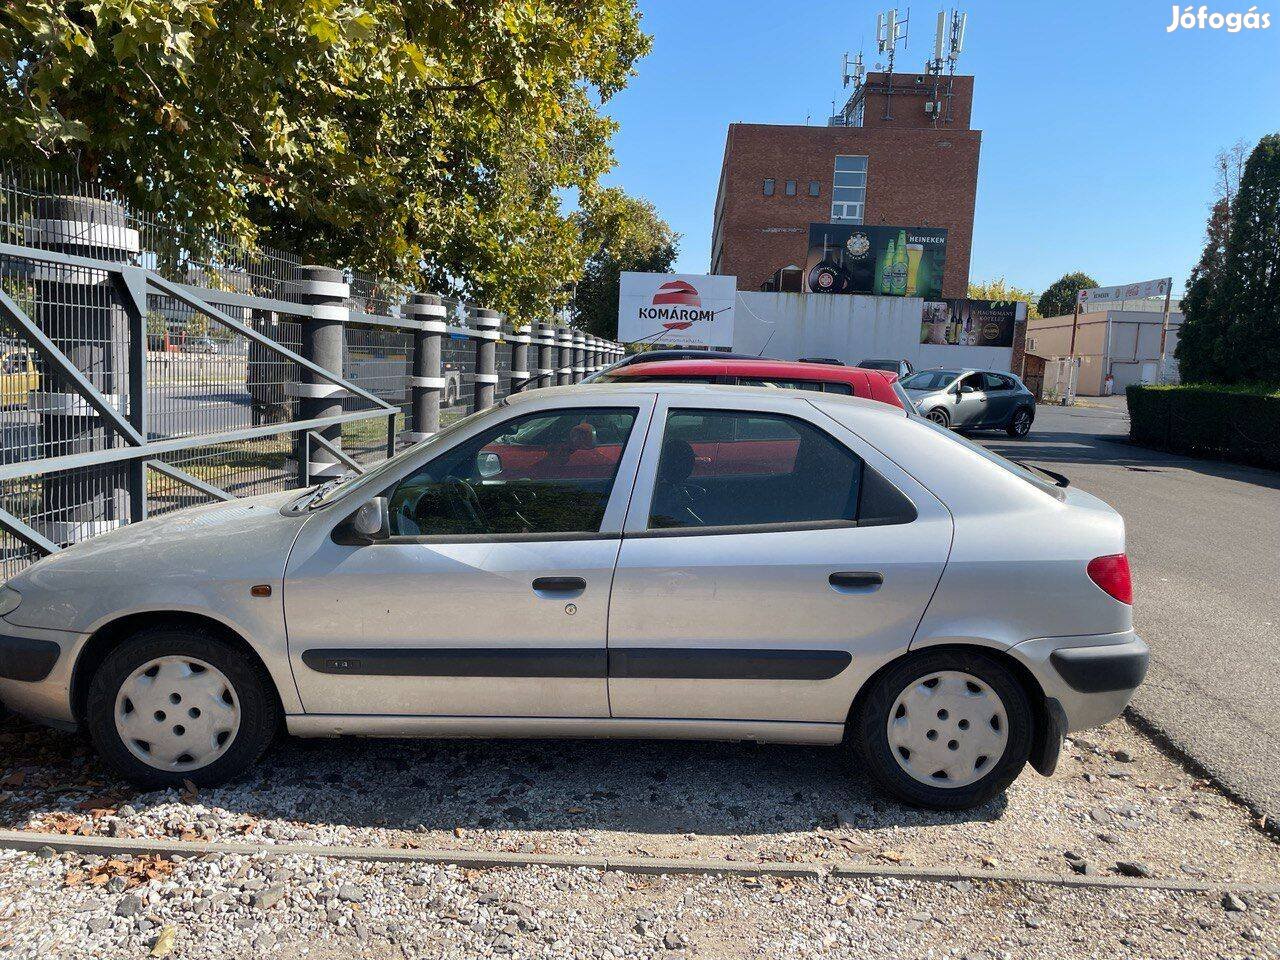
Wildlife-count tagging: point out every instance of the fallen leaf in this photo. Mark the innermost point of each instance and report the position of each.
(189, 791)
(74, 877)
(164, 943)
(13, 780)
(893, 856)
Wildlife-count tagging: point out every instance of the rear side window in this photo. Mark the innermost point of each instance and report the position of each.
(726, 468)
(843, 389)
(813, 385)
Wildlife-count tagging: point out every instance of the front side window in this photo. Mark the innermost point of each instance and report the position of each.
(548, 472)
(993, 381)
(849, 189)
(930, 380)
(728, 468)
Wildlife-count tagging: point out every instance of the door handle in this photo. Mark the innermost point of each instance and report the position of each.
(863, 581)
(559, 584)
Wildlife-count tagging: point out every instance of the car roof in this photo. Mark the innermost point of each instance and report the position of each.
(877, 384)
(584, 391)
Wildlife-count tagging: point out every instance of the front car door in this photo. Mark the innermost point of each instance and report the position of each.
(490, 597)
(970, 408)
(765, 584)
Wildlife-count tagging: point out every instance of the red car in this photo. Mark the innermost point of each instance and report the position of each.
(824, 377)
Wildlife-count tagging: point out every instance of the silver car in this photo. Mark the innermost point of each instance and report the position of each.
(649, 560)
(973, 400)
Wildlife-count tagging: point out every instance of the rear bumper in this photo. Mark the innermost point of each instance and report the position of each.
(35, 672)
(1092, 677)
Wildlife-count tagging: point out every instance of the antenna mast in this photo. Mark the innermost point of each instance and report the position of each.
(955, 44)
(889, 30)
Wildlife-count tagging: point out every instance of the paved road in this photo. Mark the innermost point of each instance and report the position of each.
(1204, 542)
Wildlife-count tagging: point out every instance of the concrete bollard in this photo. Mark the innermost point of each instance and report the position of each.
(485, 333)
(326, 290)
(426, 380)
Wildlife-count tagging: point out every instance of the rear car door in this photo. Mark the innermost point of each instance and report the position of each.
(1002, 396)
(491, 596)
(767, 583)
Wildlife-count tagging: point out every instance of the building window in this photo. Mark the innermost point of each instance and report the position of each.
(814, 188)
(791, 188)
(849, 189)
(768, 188)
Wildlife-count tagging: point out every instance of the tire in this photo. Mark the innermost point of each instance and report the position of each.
(869, 728)
(1019, 424)
(939, 416)
(248, 706)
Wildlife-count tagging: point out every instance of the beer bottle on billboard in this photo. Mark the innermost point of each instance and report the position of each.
(899, 281)
(886, 271)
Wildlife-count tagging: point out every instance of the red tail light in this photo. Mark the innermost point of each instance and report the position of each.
(1111, 573)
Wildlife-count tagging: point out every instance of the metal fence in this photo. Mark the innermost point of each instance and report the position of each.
(148, 365)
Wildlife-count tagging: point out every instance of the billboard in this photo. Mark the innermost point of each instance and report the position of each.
(676, 309)
(1131, 291)
(970, 323)
(882, 261)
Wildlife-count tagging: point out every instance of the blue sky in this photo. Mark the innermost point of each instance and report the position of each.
(1099, 127)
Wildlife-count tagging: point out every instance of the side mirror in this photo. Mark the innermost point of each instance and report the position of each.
(367, 525)
(968, 388)
(488, 464)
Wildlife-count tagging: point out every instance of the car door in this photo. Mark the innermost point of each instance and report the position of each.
(490, 597)
(770, 593)
(970, 409)
(1002, 396)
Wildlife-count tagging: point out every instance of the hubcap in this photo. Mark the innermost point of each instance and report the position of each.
(937, 416)
(1021, 423)
(948, 729)
(177, 713)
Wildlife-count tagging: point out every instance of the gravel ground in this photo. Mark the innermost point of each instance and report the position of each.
(230, 906)
(1115, 806)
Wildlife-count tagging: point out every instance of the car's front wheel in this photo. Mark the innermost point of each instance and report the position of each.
(1019, 424)
(175, 703)
(939, 416)
(946, 729)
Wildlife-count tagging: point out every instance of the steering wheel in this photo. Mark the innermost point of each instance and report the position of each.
(464, 504)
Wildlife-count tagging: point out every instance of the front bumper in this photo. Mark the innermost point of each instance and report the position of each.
(35, 672)
(1092, 677)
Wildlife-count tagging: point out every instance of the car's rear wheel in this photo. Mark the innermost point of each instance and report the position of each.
(939, 416)
(946, 729)
(175, 703)
(1020, 423)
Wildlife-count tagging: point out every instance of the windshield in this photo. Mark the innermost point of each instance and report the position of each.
(930, 380)
(333, 490)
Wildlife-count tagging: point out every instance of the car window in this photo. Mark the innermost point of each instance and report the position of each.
(974, 380)
(844, 389)
(993, 381)
(548, 472)
(813, 385)
(722, 468)
(930, 380)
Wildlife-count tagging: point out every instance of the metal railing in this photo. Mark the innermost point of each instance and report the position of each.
(147, 366)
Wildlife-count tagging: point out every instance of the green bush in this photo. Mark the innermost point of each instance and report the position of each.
(1239, 423)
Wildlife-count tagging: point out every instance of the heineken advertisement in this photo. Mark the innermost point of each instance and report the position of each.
(881, 261)
(970, 323)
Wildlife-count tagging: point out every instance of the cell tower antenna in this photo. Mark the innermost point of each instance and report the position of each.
(955, 44)
(890, 30)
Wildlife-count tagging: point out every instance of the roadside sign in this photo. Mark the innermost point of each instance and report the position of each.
(676, 309)
(1130, 291)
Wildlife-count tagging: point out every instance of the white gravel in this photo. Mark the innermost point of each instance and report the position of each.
(1114, 800)
(230, 907)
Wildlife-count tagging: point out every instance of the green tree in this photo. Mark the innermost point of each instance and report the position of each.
(1060, 298)
(1250, 311)
(1200, 338)
(421, 139)
(618, 233)
(1000, 291)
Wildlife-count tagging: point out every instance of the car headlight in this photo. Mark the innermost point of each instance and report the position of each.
(9, 600)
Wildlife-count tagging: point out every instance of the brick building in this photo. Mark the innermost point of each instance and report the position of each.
(906, 170)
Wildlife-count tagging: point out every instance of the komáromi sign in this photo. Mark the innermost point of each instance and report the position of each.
(684, 310)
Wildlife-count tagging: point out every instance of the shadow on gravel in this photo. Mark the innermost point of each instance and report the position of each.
(645, 787)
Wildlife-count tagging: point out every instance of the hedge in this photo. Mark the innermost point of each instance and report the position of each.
(1208, 421)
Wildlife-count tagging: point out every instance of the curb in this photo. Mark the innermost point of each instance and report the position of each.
(650, 866)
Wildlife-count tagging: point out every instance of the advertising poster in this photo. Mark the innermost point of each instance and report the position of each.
(676, 309)
(970, 323)
(881, 261)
